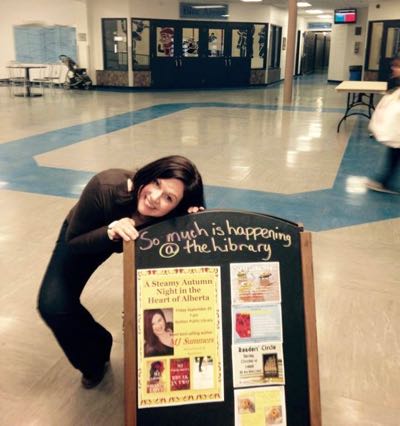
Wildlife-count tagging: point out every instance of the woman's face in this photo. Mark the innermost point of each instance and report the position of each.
(158, 198)
(158, 324)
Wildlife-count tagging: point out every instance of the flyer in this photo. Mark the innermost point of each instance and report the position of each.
(260, 406)
(179, 336)
(256, 282)
(258, 364)
(256, 323)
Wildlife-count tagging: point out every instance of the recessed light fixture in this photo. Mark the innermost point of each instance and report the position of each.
(314, 11)
(251, 1)
(324, 16)
(303, 4)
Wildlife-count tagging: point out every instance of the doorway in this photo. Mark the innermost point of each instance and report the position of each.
(200, 54)
(316, 52)
(390, 48)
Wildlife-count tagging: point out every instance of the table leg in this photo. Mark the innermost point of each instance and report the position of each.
(27, 82)
(371, 106)
(348, 107)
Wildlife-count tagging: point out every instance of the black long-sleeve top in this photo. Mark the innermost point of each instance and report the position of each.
(98, 206)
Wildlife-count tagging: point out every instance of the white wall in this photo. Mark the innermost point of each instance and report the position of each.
(388, 9)
(343, 40)
(45, 12)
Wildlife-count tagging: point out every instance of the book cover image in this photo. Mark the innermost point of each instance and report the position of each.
(203, 372)
(156, 373)
(180, 374)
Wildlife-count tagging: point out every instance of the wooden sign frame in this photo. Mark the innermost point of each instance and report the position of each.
(130, 327)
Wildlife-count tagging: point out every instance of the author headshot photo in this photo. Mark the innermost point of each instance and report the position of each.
(158, 332)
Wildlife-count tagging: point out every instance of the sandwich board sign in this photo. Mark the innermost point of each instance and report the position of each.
(219, 323)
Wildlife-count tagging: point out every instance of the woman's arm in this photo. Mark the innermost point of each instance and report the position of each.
(87, 222)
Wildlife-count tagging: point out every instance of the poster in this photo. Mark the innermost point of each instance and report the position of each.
(258, 364)
(260, 323)
(179, 336)
(255, 282)
(260, 406)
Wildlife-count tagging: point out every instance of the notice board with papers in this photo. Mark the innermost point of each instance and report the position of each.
(219, 323)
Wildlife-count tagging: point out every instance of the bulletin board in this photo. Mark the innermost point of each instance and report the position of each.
(238, 344)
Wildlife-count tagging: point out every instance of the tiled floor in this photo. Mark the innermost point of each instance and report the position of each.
(255, 154)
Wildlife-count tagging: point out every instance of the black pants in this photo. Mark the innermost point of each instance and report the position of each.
(85, 342)
(392, 162)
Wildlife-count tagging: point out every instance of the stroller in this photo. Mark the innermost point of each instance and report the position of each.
(76, 78)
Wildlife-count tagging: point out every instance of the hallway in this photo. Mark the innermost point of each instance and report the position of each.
(254, 154)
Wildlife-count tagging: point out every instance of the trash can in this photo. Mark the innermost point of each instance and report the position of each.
(355, 72)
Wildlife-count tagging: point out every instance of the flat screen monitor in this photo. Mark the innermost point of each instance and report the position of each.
(345, 16)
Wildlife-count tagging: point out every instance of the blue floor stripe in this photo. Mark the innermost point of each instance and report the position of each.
(317, 210)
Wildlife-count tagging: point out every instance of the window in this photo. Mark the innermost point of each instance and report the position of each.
(215, 42)
(275, 41)
(115, 47)
(374, 45)
(140, 44)
(259, 46)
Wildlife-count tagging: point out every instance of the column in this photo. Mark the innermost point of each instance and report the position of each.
(290, 51)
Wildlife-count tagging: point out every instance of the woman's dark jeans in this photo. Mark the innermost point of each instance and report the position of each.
(85, 342)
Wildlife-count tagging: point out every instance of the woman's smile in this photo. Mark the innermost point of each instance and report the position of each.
(160, 197)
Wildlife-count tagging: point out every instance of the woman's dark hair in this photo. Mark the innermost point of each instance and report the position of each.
(149, 336)
(172, 167)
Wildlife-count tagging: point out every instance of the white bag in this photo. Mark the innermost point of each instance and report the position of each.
(385, 121)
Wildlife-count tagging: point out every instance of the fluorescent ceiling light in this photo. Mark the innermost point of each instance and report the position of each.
(210, 6)
(314, 11)
(324, 16)
(251, 1)
(303, 4)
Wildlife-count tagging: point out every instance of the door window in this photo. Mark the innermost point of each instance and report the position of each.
(190, 42)
(376, 30)
(165, 42)
(239, 43)
(393, 42)
(140, 44)
(215, 42)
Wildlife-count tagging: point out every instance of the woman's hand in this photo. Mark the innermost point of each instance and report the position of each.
(195, 209)
(122, 229)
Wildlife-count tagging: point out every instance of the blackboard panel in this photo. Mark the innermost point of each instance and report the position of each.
(214, 238)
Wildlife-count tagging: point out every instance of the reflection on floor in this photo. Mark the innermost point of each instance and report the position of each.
(255, 154)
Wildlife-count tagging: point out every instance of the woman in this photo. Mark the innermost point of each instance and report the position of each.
(113, 207)
(384, 180)
(158, 334)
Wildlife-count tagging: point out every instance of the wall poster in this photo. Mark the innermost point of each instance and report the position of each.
(260, 406)
(179, 336)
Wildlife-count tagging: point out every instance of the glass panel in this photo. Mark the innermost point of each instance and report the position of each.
(140, 44)
(215, 42)
(165, 41)
(190, 42)
(115, 44)
(375, 47)
(259, 38)
(393, 42)
(275, 40)
(239, 43)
